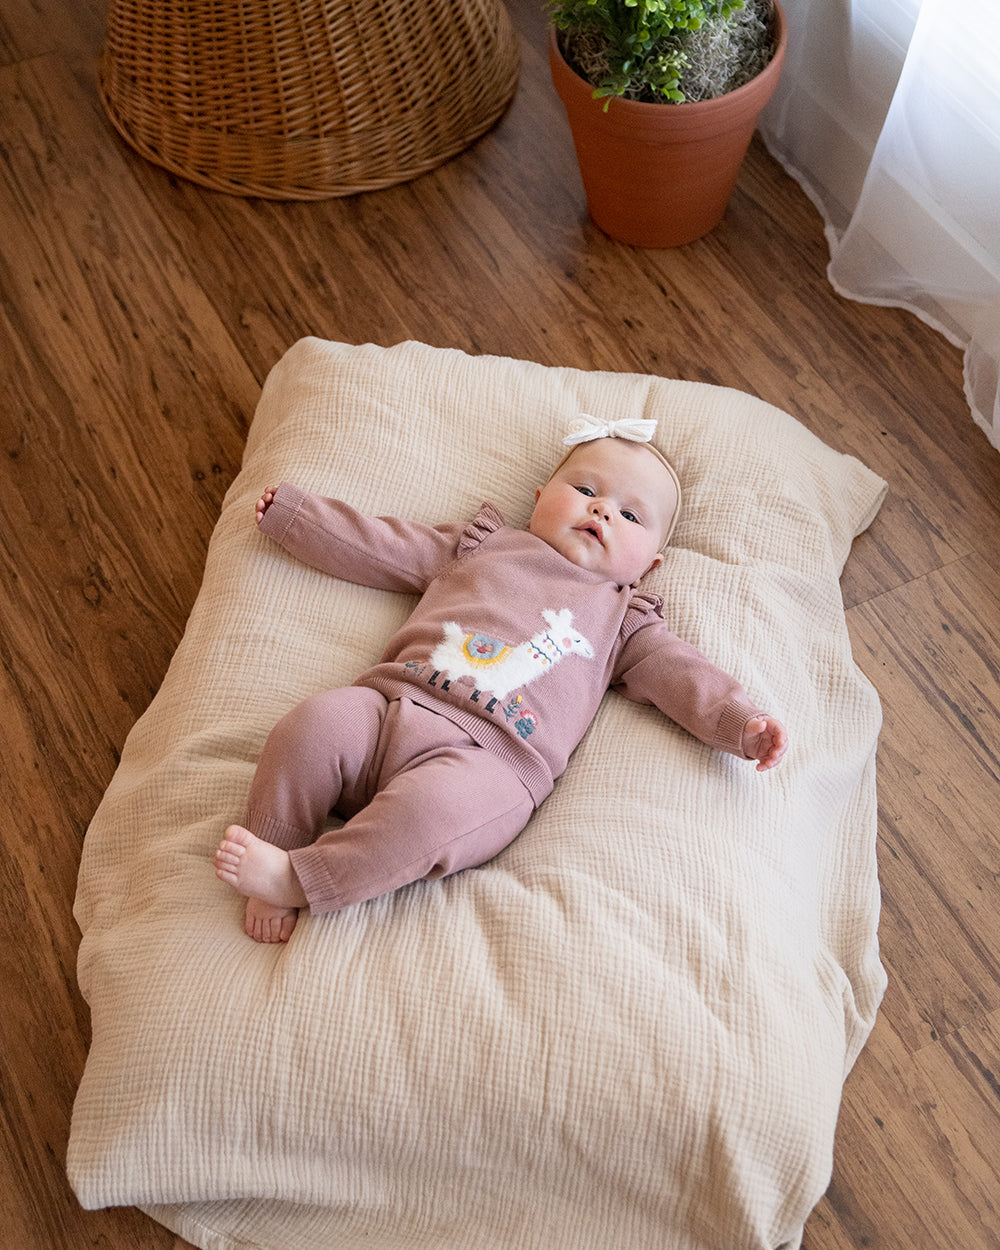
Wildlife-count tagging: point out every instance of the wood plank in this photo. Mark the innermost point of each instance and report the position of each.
(96, 435)
(446, 259)
(931, 651)
(916, 1156)
(98, 431)
(920, 1119)
(31, 28)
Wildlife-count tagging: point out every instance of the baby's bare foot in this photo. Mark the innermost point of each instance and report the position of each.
(258, 869)
(266, 923)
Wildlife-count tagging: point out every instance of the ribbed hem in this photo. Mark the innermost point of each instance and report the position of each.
(310, 866)
(277, 832)
(732, 722)
(277, 520)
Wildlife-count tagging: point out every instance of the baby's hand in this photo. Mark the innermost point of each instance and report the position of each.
(263, 503)
(764, 740)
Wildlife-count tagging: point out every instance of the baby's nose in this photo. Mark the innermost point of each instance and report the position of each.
(602, 509)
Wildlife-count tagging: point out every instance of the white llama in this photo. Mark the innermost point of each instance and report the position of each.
(497, 668)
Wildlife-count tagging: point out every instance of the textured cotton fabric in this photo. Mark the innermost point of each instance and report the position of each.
(629, 1029)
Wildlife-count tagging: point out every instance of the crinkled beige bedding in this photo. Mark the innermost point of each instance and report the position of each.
(627, 1032)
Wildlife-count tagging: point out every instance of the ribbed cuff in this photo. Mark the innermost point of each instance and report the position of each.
(281, 514)
(277, 832)
(310, 866)
(729, 731)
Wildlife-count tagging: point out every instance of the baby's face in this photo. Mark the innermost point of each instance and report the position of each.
(608, 509)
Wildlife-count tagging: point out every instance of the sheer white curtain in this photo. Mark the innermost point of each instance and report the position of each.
(888, 114)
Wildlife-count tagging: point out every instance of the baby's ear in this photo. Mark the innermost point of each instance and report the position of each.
(538, 494)
(657, 561)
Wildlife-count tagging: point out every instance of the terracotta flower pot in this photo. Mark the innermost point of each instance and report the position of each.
(659, 175)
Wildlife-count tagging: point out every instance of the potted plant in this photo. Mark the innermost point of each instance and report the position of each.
(663, 98)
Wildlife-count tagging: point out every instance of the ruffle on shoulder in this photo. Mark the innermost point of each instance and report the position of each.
(643, 610)
(644, 604)
(487, 521)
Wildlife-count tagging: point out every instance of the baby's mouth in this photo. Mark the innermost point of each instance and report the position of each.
(594, 529)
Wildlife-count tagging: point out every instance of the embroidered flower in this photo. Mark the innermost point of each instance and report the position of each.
(526, 724)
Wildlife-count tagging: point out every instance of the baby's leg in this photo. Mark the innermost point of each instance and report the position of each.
(444, 804)
(315, 758)
(317, 754)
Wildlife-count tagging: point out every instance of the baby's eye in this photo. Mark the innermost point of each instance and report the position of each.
(630, 516)
(585, 490)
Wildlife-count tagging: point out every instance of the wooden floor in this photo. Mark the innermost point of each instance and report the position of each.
(140, 317)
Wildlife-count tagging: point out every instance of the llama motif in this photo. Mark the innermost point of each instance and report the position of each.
(498, 668)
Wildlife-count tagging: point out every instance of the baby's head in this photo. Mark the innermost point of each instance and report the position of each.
(609, 506)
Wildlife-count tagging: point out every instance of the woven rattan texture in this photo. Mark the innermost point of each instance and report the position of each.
(305, 99)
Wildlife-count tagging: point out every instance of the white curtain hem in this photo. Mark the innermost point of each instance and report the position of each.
(833, 240)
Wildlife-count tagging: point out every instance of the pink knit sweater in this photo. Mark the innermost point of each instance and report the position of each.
(509, 639)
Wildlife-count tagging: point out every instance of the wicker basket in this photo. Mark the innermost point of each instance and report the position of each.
(305, 99)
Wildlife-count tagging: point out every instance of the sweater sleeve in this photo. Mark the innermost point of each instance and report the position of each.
(383, 552)
(657, 667)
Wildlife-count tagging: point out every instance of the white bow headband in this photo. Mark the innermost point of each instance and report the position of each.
(587, 428)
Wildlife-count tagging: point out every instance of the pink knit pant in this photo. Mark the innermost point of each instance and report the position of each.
(420, 798)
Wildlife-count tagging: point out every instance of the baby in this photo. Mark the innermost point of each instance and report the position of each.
(437, 756)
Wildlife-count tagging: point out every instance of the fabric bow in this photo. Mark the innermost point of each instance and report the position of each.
(587, 428)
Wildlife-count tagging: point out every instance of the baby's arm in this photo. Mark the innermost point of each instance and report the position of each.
(386, 553)
(658, 667)
(764, 740)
